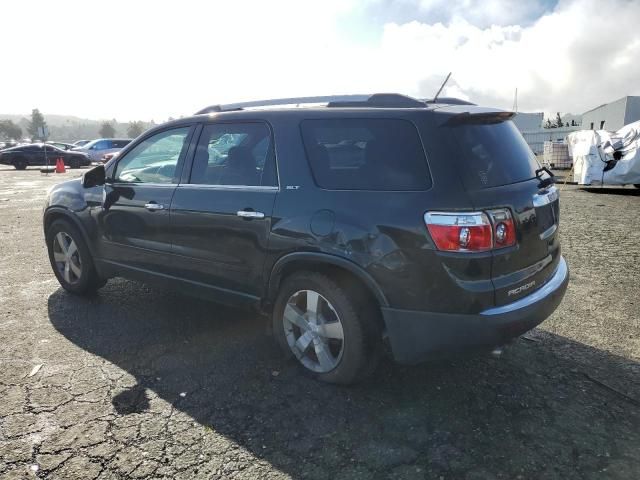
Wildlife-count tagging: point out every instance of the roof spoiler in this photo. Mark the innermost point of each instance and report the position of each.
(448, 101)
(479, 118)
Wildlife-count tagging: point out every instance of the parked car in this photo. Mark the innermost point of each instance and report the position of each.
(62, 145)
(108, 156)
(427, 226)
(97, 148)
(81, 143)
(24, 156)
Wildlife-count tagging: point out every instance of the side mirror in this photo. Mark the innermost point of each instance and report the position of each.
(94, 177)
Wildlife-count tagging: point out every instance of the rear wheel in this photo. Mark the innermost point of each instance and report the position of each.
(332, 331)
(20, 163)
(71, 259)
(74, 163)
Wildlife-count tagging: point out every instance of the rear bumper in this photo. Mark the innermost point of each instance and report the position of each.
(416, 335)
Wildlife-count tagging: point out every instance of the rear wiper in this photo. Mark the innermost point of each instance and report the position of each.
(545, 182)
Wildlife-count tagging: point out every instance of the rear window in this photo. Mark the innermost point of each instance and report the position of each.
(365, 154)
(490, 154)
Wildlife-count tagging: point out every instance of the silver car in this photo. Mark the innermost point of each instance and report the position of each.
(96, 149)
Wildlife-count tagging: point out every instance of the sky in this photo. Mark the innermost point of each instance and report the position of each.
(143, 60)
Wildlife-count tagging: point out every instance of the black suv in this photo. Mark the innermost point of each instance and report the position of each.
(368, 220)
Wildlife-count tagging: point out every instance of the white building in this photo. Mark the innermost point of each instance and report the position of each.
(527, 122)
(530, 125)
(612, 116)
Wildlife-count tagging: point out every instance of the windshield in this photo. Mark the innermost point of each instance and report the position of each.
(88, 144)
(490, 154)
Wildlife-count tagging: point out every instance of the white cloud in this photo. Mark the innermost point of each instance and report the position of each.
(580, 55)
(482, 13)
(143, 60)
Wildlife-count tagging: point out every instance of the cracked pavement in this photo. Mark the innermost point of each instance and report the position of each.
(139, 382)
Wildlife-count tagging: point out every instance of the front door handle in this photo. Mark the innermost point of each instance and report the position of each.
(153, 206)
(250, 214)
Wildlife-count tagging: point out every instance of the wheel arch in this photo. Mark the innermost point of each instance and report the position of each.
(315, 261)
(56, 213)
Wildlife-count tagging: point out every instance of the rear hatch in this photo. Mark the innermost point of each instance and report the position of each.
(499, 170)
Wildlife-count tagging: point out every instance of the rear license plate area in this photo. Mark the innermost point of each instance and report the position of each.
(546, 217)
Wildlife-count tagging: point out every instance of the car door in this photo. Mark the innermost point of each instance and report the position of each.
(221, 213)
(50, 155)
(134, 223)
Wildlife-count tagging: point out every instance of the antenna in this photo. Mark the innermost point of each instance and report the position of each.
(441, 87)
(515, 101)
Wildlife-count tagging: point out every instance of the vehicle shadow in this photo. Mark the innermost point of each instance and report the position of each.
(632, 192)
(549, 408)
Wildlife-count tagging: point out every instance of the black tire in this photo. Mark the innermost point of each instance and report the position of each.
(20, 163)
(88, 281)
(358, 315)
(74, 163)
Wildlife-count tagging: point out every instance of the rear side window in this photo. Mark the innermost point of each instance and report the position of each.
(237, 154)
(120, 143)
(365, 154)
(490, 154)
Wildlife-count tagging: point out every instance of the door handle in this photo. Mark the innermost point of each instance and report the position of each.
(250, 214)
(154, 206)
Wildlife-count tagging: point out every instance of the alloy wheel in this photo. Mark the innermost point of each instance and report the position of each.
(313, 331)
(67, 257)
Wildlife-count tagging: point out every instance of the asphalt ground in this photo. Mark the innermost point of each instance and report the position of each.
(139, 382)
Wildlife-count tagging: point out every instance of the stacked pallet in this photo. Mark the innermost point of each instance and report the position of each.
(556, 155)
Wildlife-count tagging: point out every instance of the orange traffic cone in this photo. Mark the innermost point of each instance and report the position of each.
(60, 165)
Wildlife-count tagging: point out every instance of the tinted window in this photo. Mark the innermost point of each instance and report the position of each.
(235, 154)
(120, 143)
(490, 154)
(366, 154)
(154, 160)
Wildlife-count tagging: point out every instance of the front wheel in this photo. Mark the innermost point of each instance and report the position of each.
(74, 163)
(332, 331)
(71, 259)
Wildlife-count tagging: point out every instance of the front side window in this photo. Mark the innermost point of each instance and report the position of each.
(239, 154)
(155, 159)
(366, 154)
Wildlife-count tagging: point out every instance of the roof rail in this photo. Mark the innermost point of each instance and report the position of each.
(379, 100)
(449, 101)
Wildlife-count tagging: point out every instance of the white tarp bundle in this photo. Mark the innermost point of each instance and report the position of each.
(595, 151)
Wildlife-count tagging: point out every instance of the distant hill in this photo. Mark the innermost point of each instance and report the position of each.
(67, 128)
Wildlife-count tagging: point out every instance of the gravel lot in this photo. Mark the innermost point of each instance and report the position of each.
(138, 382)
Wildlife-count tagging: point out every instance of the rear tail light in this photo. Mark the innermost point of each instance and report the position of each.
(471, 232)
(453, 232)
(504, 228)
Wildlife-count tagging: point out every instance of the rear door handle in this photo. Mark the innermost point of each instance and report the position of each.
(250, 214)
(154, 206)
